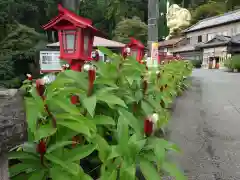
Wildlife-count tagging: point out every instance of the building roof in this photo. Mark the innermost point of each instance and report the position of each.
(133, 42)
(235, 39)
(215, 21)
(218, 40)
(98, 41)
(186, 48)
(169, 42)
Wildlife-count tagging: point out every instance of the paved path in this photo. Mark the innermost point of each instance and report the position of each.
(206, 125)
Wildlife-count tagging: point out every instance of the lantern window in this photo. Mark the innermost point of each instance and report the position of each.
(69, 41)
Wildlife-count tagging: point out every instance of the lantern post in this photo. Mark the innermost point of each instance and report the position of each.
(134, 48)
(76, 36)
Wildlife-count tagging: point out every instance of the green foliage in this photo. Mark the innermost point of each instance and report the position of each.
(109, 122)
(131, 28)
(208, 10)
(233, 63)
(196, 63)
(17, 50)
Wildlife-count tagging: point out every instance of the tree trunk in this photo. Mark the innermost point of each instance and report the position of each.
(72, 5)
(4, 168)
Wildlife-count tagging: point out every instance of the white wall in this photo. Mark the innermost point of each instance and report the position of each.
(227, 30)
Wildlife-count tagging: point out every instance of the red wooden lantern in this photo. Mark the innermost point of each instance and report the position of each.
(75, 37)
(137, 49)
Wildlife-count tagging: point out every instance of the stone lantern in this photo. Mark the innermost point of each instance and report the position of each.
(13, 127)
(76, 36)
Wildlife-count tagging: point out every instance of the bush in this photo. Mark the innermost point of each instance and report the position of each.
(197, 63)
(107, 125)
(235, 62)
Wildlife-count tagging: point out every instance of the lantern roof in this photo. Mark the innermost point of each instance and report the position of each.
(134, 42)
(66, 15)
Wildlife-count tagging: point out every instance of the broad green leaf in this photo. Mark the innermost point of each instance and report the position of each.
(149, 171)
(131, 120)
(128, 171)
(173, 171)
(22, 155)
(22, 167)
(79, 77)
(70, 167)
(32, 113)
(64, 104)
(90, 104)
(147, 108)
(38, 175)
(58, 145)
(77, 118)
(79, 152)
(44, 131)
(57, 173)
(123, 133)
(103, 120)
(76, 126)
(114, 152)
(103, 147)
(111, 100)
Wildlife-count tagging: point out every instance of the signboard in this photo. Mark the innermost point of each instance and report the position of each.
(154, 54)
(50, 62)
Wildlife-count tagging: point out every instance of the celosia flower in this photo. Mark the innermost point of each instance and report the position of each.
(148, 126)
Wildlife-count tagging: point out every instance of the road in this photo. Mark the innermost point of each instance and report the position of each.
(206, 126)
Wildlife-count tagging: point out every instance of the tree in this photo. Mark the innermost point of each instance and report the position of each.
(131, 28)
(208, 10)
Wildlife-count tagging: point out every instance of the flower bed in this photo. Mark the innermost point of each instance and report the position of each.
(100, 123)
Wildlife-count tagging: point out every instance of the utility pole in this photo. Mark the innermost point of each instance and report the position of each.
(153, 15)
(72, 5)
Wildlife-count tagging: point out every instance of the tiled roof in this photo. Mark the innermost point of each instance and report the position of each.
(216, 20)
(98, 41)
(169, 42)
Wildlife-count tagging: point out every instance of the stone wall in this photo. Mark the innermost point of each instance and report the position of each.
(12, 125)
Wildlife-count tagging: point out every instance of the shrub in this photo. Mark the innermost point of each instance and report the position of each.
(197, 63)
(235, 62)
(108, 126)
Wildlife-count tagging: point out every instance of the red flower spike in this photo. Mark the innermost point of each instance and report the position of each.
(41, 149)
(40, 87)
(74, 99)
(145, 86)
(29, 77)
(91, 79)
(148, 127)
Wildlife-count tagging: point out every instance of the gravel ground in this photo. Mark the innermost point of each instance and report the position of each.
(206, 125)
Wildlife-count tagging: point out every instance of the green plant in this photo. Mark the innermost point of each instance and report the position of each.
(107, 123)
(196, 63)
(235, 62)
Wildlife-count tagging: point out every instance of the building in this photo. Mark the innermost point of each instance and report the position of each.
(49, 57)
(210, 39)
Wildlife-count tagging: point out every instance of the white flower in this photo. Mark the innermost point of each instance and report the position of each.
(155, 118)
(49, 78)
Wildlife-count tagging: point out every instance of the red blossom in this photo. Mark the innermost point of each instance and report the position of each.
(41, 149)
(91, 79)
(40, 87)
(74, 99)
(148, 127)
(29, 77)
